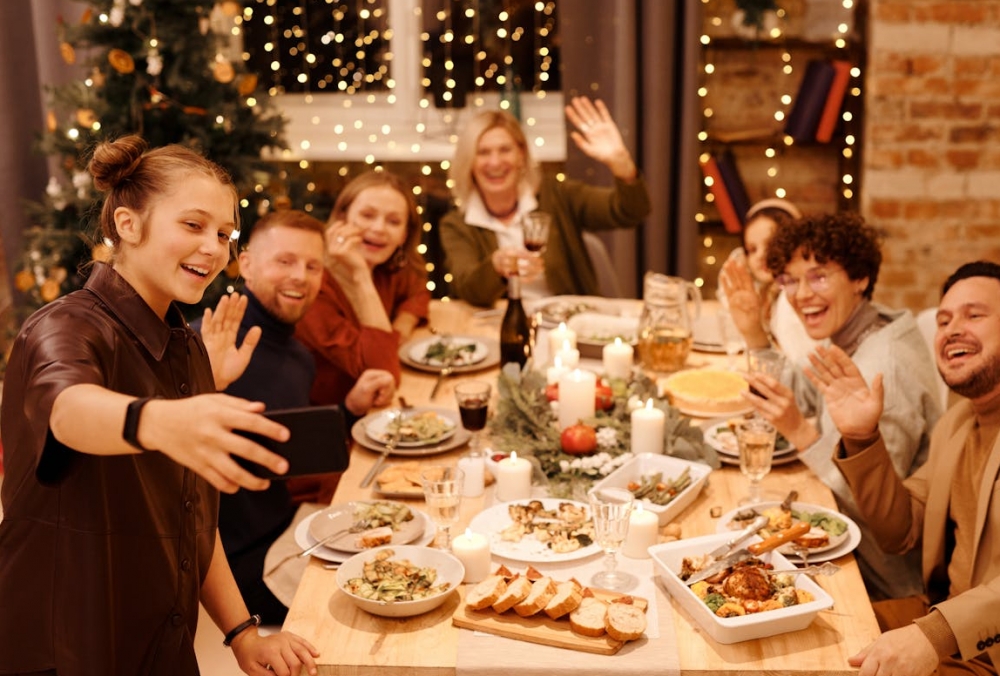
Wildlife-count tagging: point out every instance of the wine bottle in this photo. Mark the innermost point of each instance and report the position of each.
(515, 345)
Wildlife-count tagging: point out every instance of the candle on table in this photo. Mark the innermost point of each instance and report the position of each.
(556, 371)
(618, 359)
(513, 479)
(473, 464)
(648, 425)
(473, 550)
(643, 533)
(558, 336)
(577, 393)
(568, 355)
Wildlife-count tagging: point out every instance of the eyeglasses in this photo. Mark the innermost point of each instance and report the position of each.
(818, 281)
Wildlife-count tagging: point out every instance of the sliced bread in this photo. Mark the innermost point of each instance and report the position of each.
(486, 593)
(566, 599)
(542, 591)
(589, 617)
(625, 622)
(517, 590)
(374, 537)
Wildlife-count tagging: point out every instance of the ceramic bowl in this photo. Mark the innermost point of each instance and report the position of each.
(645, 464)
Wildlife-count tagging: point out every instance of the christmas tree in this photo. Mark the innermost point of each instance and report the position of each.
(170, 70)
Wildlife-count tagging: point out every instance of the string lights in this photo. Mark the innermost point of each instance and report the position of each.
(772, 142)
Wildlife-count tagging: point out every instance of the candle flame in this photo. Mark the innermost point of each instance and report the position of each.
(618, 340)
(649, 403)
(557, 362)
(513, 457)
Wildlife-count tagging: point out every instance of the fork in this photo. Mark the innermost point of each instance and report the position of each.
(357, 527)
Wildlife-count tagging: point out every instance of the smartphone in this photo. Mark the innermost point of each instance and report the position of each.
(318, 443)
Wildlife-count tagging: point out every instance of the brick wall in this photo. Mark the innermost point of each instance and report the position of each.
(932, 141)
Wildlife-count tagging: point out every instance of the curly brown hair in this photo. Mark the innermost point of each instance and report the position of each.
(843, 238)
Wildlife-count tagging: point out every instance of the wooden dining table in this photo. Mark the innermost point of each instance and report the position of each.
(352, 642)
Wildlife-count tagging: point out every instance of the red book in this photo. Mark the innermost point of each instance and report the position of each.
(834, 101)
(731, 219)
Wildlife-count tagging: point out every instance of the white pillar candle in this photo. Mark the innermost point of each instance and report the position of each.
(618, 359)
(568, 355)
(648, 425)
(560, 335)
(577, 393)
(473, 550)
(556, 371)
(643, 533)
(513, 479)
(473, 465)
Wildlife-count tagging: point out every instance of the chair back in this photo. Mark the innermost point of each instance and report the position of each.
(607, 277)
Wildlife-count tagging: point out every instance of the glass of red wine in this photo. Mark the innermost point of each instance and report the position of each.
(473, 398)
(535, 226)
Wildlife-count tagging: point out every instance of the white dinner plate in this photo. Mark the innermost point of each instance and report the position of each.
(303, 539)
(719, 436)
(486, 354)
(698, 413)
(468, 351)
(460, 437)
(492, 521)
(835, 549)
(340, 517)
(377, 427)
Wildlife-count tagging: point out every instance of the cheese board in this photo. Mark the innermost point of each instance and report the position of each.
(540, 628)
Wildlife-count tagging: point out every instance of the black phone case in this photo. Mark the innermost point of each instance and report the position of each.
(317, 445)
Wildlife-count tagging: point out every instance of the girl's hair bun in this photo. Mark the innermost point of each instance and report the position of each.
(114, 161)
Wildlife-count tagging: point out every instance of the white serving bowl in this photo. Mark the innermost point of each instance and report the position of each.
(668, 557)
(671, 467)
(449, 570)
(594, 331)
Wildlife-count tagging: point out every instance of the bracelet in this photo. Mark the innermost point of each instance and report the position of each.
(252, 621)
(130, 433)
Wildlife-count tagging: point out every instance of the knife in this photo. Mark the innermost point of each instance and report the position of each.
(786, 505)
(447, 368)
(728, 546)
(756, 549)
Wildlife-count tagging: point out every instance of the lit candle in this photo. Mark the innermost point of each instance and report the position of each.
(560, 335)
(577, 393)
(618, 359)
(473, 465)
(568, 355)
(648, 424)
(473, 550)
(643, 533)
(556, 371)
(513, 479)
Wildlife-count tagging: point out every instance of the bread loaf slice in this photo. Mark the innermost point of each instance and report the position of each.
(625, 622)
(486, 593)
(566, 599)
(542, 590)
(589, 617)
(517, 590)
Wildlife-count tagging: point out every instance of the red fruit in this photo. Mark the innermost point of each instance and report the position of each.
(579, 439)
(603, 398)
(552, 392)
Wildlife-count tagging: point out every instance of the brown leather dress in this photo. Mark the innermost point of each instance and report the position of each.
(101, 558)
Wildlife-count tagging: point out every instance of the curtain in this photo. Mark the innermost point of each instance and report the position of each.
(631, 54)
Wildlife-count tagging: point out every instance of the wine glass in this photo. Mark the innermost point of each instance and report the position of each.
(443, 494)
(611, 508)
(473, 398)
(535, 227)
(755, 437)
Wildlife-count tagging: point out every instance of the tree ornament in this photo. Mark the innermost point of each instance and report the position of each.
(55, 191)
(67, 53)
(85, 117)
(24, 281)
(50, 290)
(230, 8)
(121, 61)
(82, 182)
(222, 70)
(51, 123)
(97, 77)
(116, 16)
(247, 84)
(58, 273)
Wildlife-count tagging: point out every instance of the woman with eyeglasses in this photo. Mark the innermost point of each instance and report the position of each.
(827, 265)
(759, 309)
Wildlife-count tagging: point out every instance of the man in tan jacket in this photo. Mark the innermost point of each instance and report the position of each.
(951, 506)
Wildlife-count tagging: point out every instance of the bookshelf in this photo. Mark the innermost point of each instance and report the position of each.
(748, 88)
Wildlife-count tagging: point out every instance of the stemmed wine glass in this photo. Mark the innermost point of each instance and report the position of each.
(443, 494)
(755, 437)
(610, 509)
(473, 398)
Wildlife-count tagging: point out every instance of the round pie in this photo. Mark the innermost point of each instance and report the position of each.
(708, 391)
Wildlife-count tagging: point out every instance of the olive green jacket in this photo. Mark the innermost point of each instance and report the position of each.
(575, 207)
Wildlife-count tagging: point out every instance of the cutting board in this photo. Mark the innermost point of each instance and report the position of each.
(539, 628)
